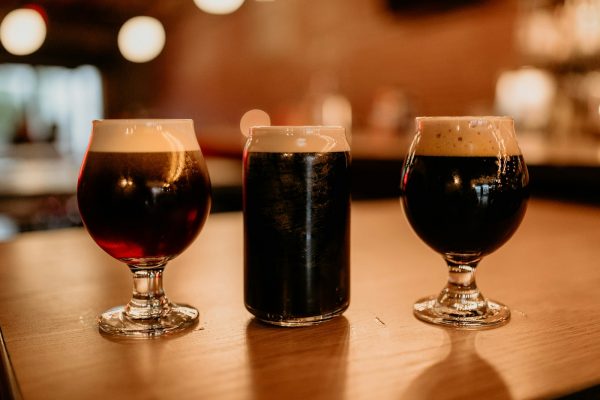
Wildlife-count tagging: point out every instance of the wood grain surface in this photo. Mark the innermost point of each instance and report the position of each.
(53, 284)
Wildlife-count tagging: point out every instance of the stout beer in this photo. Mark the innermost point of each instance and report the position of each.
(466, 205)
(464, 191)
(296, 224)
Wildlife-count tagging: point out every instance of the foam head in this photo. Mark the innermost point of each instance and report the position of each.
(465, 136)
(297, 139)
(143, 135)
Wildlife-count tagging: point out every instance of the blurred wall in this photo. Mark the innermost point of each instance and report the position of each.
(275, 55)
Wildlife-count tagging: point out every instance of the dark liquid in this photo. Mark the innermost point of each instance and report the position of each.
(296, 234)
(465, 205)
(141, 205)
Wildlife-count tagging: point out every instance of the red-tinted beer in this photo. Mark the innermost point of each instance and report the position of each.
(144, 205)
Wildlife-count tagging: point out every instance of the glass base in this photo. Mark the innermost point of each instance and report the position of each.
(295, 322)
(430, 310)
(116, 322)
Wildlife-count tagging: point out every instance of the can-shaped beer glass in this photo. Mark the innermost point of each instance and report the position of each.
(296, 224)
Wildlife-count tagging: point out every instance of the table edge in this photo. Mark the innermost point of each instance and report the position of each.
(9, 386)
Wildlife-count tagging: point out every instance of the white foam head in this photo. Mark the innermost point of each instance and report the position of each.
(297, 139)
(465, 136)
(143, 135)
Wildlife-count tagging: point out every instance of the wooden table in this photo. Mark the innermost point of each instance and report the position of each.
(53, 284)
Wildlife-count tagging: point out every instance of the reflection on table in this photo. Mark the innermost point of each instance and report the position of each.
(54, 283)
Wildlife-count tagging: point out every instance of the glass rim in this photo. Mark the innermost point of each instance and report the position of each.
(465, 118)
(296, 129)
(285, 127)
(148, 121)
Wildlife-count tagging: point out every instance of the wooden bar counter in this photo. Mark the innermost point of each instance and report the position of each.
(53, 284)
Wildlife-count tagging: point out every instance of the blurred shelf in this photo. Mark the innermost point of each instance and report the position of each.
(565, 169)
(38, 187)
(541, 151)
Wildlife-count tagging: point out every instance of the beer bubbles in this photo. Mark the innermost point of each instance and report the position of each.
(23, 31)
(141, 39)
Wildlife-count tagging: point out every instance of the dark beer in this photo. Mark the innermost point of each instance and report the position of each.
(464, 191)
(296, 234)
(144, 205)
(465, 205)
(144, 195)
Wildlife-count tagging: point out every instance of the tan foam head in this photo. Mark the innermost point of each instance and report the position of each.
(465, 136)
(297, 139)
(143, 135)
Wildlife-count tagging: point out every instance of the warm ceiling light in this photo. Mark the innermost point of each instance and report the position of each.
(219, 6)
(141, 39)
(22, 31)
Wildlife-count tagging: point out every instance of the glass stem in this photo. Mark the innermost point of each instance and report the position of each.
(148, 299)
(461, 295)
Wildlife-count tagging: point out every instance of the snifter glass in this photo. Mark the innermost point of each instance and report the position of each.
(144, 195)
(464, 191)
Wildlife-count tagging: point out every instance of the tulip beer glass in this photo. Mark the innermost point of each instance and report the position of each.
(464, 192)
(144, 195)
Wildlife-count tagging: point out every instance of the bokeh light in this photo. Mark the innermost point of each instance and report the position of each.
(141, 39)
(254, 118)
(527, 95)
(23, 31)
(336, 110)
(219, 7)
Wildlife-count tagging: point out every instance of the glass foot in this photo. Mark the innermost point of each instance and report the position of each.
(430, 310)
(116, 322)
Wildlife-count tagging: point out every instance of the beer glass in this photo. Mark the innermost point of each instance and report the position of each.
(144, 195)
(296, 224)
(464, 192)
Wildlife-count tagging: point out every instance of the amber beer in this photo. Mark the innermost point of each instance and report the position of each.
(296, 224)
(143, 204)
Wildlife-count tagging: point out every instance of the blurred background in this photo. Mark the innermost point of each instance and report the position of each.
(370, 65)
